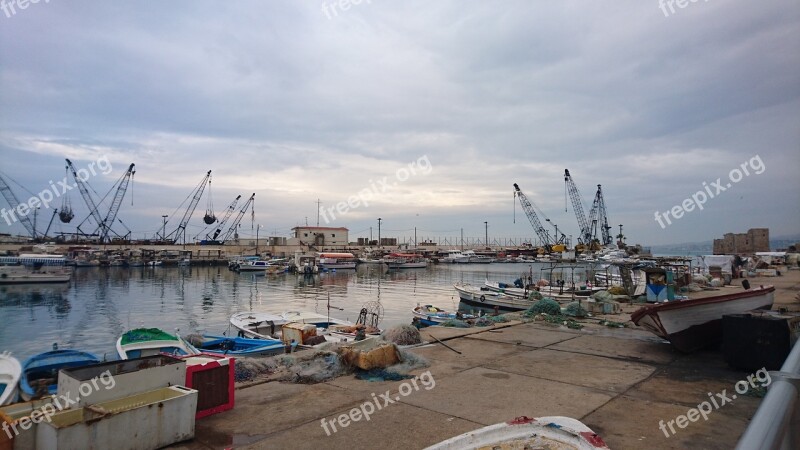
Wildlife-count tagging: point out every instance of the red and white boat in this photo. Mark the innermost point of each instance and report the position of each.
(693, 324)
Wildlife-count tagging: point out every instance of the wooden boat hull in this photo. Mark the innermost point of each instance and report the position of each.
(693, 324)
(437, 317)
(149, 344)
(238, 347)
(524, 432)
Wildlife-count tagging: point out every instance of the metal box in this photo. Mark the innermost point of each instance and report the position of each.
(116, 379)
(213, 377)
(148, 420)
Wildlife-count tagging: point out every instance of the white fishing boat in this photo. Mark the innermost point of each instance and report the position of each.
(454, 256)
(10, 373)
(474, 296)
(266, 325)
(141, 342)
(37, 274)
(252, 266)
(474, 258)
(405, 261)
(527, 433)
(696, 323)
(329, 260)
(431, 315)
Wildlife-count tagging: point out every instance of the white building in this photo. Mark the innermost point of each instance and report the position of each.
(321, 236)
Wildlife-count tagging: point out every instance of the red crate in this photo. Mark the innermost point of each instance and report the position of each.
(213, 378)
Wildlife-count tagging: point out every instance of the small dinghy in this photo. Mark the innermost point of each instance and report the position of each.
(431, 315)
(40, 372)
(152, 341)
(237, 346)
(10, 373)
(525, 432)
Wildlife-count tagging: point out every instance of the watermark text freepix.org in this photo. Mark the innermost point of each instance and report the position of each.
(343, 5)
(59, 403)
(718, 400)
(55, 191)
(9, 7)
(377, 403)
(710, 191)
(421, 165)
(671, 4)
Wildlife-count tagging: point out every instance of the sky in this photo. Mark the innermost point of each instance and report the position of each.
(421, 113)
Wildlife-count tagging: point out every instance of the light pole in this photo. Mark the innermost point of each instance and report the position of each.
(164, 227)
(258, 227)
(486, 226)
(379, 232)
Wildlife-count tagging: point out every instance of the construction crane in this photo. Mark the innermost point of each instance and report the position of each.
(104, 224)
(238, 218)
(13, 202)
(598, 217)
(548, 242)
(180, 232)
(221, 224)
(585, 235)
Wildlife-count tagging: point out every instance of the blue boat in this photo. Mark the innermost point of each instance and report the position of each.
(40, 372)
(239, 346)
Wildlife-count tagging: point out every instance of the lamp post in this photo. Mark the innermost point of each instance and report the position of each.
(379, 232)
(164, 227)
(486, 226)
(258, 227)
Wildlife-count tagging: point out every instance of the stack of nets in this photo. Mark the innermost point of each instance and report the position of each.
(545, 305)
(575, 309)
(402, 335)
(455, 323)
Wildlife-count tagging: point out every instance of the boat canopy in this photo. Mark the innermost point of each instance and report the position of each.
(336, 255)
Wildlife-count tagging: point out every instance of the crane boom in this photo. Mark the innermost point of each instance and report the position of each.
(13, 202)
(179, 232)
(544, 236)
(221, 223)
(238, 218)
(87, 197)
(599, 216)
(577, 205)
(116, 202)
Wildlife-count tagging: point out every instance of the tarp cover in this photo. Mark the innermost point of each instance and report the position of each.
(723, 261)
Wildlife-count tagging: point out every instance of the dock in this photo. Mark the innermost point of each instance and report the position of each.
(624, 383)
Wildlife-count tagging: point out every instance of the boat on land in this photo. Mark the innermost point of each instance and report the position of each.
(475, 296)
(265, 325)
(238, 346)
(40, 372)
(690, 325)
(10, 374)
(431, 315)
(141, 342)
(328, 261)
(525, 432)
(405, 261)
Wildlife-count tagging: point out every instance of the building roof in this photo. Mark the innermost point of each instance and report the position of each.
(320, 228)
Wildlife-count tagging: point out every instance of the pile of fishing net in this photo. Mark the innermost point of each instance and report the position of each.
(502, 318)
(455, 323)
(545, 305)
(535, 295)
(483, 322)
(402, 335)
(575, 309)
(301, 367)
(617, 290)
(602, 296)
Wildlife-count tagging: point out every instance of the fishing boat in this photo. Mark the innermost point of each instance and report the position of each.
(238, 346)
(328, 261)
(525, 432)
(454, 256)
(264, 325)
(475, 296)
(10, 373)
(34, 275)
(141, 342)
(474, 258)
(696, 323)
(405, 261)
(546, 291)
(431, 315)
(40, 372)
(252, 266)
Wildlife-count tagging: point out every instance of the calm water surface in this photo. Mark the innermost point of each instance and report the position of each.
(100, 304)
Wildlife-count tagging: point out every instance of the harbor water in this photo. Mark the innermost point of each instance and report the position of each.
(99, 304)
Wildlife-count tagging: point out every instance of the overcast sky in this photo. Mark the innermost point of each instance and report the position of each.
(299, 101)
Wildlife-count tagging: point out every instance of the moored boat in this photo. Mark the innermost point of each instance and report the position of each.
(239, 346)
(141, 342)
(10, 373)
(525, 432)
(328, 261)
(265, 325)
(474, 296)
(40, 372)
(431, 315)
(33, 275)
(696, 323)
(405, 261)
